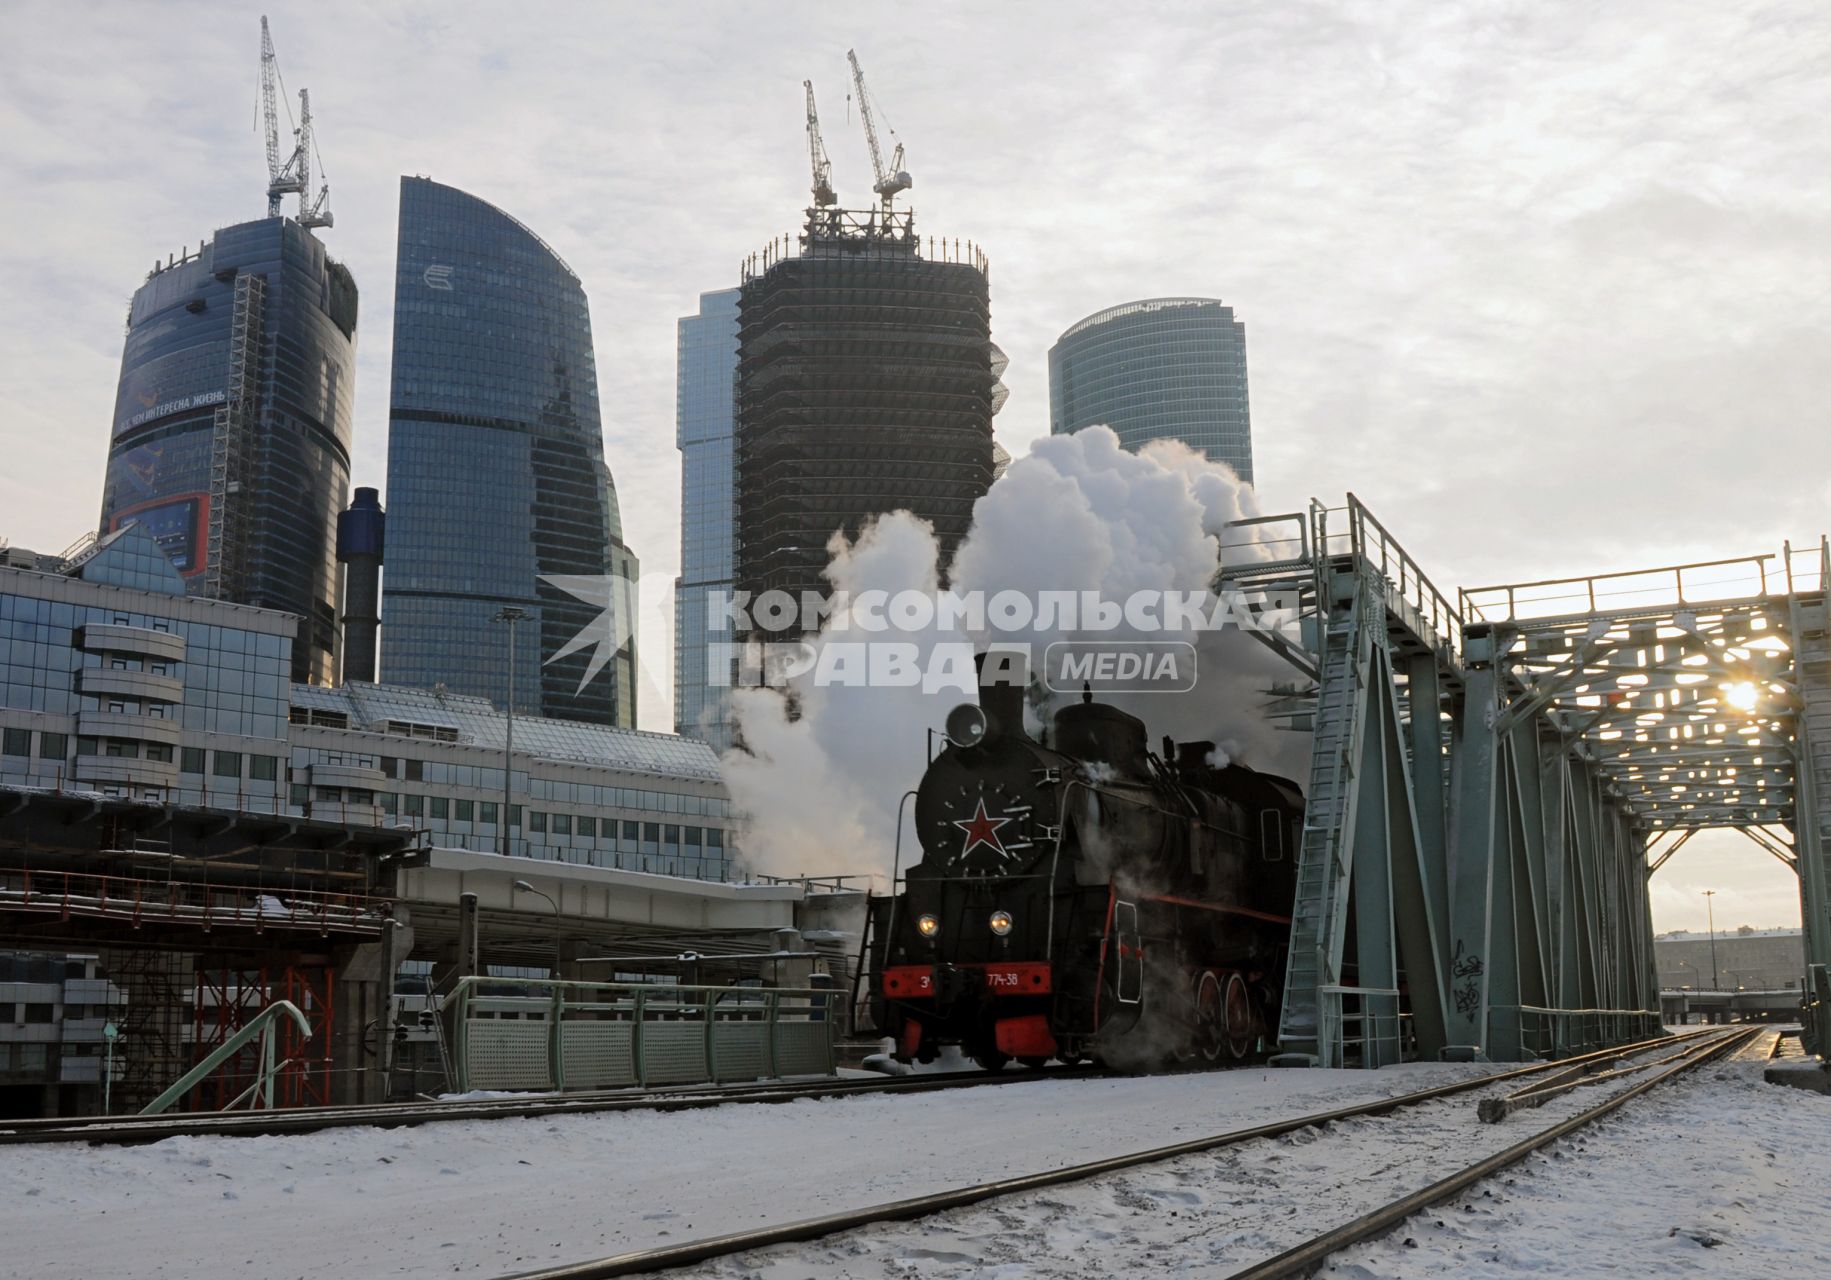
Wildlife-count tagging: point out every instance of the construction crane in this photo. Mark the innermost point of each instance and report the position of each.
(277, 183)
(294, 176)
(816, 154)
(893, 178)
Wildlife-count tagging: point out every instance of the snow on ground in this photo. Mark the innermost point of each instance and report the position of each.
(483, 1198)
(1726, 1157)
(1715, 1174)
(1213, 1214)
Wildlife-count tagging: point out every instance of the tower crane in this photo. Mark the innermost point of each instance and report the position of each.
(295, 175)
(278, 183)
(816, 154)
(892, 178)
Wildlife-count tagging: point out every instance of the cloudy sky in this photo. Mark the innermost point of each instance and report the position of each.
(1541, 282)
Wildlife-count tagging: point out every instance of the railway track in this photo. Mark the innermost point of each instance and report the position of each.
(127, 1130)
(1692, 1048)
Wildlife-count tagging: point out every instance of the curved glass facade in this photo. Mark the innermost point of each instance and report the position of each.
(1163, 369)
(231, 439)
(496, 475)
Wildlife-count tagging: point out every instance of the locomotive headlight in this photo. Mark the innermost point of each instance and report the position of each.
(1001, 923)
(928, 926)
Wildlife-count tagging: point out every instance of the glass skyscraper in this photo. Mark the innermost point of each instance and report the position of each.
(232, 421)
(705, 374)
(1163, 369)
(498, 494)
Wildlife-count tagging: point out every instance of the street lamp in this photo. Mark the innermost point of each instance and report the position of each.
(510, 615)
(525, 887)
(1710, 908)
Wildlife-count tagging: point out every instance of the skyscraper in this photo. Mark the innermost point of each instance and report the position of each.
(498, 494)
(705, 374)
(866, 384)
(1163, 369)
(231, 439)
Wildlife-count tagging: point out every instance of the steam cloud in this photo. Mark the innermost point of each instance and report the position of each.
(1078, 513)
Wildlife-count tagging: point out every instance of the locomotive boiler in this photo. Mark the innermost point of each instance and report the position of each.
(1084, 896)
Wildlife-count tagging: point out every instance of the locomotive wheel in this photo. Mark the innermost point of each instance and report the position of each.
(1034, 1064)
(1210, 1017)
(991, 1059)
(1239, 1020)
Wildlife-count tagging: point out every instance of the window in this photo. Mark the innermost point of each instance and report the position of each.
(465, 809)
(264, 768)
(115, 747)
(537, 822)
(390, 803)
(632, 832)
(37, 1013)
(160, 751)
(562, 824)
(514, 815)
(416, 770)
(331, 795)
(413, 806)
(190, 760)
(53, 746)
(228, 764)
(715, 840)
(87, 747)
(441, 807)
(588, 828)
(390, 767)
(16, 742)
(359, 796)
(301, 795)
(486, 812)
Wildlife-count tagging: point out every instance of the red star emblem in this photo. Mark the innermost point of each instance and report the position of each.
(980, 829)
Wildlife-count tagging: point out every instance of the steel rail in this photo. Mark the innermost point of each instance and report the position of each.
(126, 1130)
(1301, 1259)
(645, 1261)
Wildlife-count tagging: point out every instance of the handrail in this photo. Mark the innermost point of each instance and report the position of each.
(1666, 586)
(259, 1025)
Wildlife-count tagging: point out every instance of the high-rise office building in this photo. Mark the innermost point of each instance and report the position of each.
(232, 424)
(705, 376)
(498, 494)
(1162, 369)
(867, 381)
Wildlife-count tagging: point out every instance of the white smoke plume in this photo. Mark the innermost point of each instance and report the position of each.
(1078, 513)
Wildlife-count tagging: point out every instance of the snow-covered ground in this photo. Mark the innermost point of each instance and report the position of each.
(484, 1198)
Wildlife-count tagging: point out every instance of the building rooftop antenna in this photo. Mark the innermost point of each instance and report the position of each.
(294, 176)
(891, 178)
(816, 153)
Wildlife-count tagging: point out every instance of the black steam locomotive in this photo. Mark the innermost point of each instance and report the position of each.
(1086, 898)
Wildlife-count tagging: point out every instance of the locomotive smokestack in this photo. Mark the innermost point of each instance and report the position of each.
(1003, 675)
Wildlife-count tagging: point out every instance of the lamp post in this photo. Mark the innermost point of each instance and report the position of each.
(1710, 909)
(510, 615)
(524, 887)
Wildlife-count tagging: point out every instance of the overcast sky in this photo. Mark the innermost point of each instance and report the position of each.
(1543, 283)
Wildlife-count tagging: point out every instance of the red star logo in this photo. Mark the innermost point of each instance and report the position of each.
(980, 829)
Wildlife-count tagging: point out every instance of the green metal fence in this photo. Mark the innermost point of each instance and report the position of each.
(607, 1035)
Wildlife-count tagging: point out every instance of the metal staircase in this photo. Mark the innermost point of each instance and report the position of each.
(1323, 863)
(226, 562)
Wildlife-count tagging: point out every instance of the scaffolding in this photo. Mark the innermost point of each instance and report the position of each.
(866, 384)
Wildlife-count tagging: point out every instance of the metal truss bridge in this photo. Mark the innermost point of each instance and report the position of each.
(1494, 777)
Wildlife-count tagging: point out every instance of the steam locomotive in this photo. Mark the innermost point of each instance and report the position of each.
(1086, 898)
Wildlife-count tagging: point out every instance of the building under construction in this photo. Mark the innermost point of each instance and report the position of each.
(866, 384)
